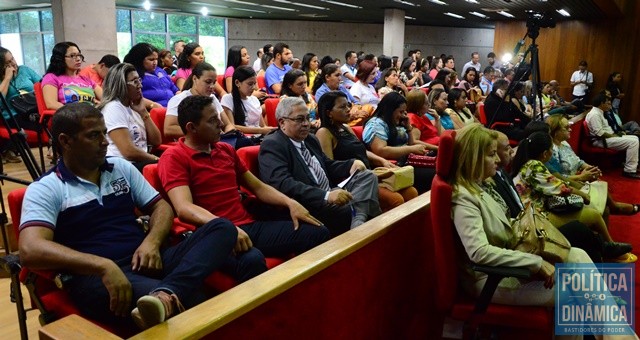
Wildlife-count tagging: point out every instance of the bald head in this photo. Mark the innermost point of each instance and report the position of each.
(505, 152)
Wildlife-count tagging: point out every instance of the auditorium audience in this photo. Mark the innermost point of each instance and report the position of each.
(205, 189)
(243, 109)
(564, 162)
(339, 142)
(388, 135)
(97, 72)
(497, 110)
(535, 184)
(202, 82)
(291, 160)
(156, 83)
(61, 84)
(481, 220)
(130, 130)
(80, 219)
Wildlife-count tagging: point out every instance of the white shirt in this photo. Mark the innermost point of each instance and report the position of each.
(366, 93)
(257, 65)
(118, 116)
(581, 89)
(172, 105)
(252, 109)
(470, 64)
(346, 68)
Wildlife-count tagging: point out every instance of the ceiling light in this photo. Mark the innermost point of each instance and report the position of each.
(204, 11)
(146, 5)
(206, 4)
(472, 1)
(563, 12)
(242, 2)
(341, 4)
(300, 4)
(479, 15)
(42, 4)
(438, 2)
(454, 15)
(506, 14)
(409, 18)
(280, 8)
(248, 10)
(406, 3)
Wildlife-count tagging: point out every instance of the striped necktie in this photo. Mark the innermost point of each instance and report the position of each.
(314, 164)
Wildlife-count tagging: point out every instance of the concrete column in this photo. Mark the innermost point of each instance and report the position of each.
(91, 24)
(393, 39)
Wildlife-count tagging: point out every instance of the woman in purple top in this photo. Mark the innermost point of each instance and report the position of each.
(157, 86)
(62, 84)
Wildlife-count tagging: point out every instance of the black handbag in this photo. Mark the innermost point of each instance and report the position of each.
(564, 204)
(25, 105)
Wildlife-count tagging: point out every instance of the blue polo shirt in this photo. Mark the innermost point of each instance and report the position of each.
(87, 218)
(275, 75)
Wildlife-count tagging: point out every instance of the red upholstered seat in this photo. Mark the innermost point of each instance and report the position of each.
(270, 106)
(595, 155)
(262, 84)
(358, 129)
(158, 115)
(449, 297)
(249, 155)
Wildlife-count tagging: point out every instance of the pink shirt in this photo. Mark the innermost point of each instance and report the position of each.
(71, 89)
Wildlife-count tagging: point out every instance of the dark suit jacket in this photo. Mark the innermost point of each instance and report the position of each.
(282, 167)
(503, 189)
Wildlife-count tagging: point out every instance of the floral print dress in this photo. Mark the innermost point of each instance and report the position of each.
(535, 183)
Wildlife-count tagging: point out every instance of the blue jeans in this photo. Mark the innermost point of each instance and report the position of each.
(185, 266)
(279, 239)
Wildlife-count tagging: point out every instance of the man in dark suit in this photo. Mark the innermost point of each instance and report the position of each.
(292, 161)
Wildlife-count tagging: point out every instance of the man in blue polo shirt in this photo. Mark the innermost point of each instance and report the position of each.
(79, 218)
(275, 72)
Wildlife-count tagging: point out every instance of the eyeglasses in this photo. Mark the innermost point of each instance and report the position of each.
(75, 56)
(299, 119)
(134, 82)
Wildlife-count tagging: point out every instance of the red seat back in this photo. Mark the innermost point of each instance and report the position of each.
(442, 226)
(358, 129)
(270, 106)
(262, 84)
(220, 80)
(576, 135)
(249, 155)
(482, 115)
(157, 115)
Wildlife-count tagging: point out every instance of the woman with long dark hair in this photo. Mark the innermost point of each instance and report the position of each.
(62, 84)
(240, 106)
(236, 56)
(338, 141)
(390, 82)
(457, 109)
(156, 83)
(388, 135)
(310, 69)
(192, 55)
(294, 85)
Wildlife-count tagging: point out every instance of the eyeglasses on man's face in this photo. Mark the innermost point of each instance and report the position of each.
(75, 56)
(299, 119)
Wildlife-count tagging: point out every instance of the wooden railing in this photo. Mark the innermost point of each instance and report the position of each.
(371, 282)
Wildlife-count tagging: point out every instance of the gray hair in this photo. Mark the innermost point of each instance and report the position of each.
(115, 84)
(286, 105)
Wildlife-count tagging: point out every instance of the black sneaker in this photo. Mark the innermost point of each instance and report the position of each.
(611, 250)
(630, 175)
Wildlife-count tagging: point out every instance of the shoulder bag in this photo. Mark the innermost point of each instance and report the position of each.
(536, 235)
(563, 204)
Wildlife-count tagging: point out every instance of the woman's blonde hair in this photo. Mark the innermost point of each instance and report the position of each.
(471, 145)
(554, 122)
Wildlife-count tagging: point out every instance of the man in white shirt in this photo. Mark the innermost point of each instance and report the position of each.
(598, 126)
(258, 63)
(474, 62)
(581, 80)
(348, 70)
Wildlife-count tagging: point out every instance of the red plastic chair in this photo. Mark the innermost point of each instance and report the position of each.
(157, 115)
(217, 281)
(46, 287)
(270, 106)
(593, 153)
(220, 80)
(449, 298)
(358, 130)
(262, 84)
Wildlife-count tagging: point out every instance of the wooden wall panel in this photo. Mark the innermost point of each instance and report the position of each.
(607, 45)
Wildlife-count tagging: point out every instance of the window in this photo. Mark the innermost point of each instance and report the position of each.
(29, 37)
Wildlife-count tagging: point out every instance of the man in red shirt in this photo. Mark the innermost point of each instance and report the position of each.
(202, 176)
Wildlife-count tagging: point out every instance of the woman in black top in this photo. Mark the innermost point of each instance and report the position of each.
(338, 141)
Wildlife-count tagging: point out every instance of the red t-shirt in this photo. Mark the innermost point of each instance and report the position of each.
(428, 132)
(212, 178)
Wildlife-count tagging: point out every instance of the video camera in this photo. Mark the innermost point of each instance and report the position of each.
(540, 20)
